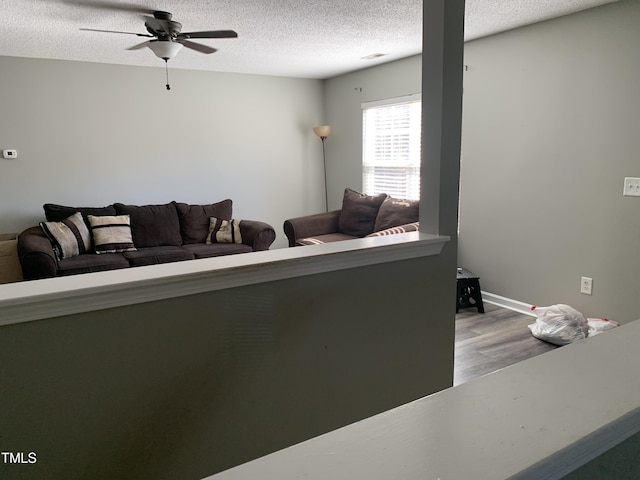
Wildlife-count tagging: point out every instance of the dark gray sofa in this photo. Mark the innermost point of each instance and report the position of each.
(361, 216)
(160, 233)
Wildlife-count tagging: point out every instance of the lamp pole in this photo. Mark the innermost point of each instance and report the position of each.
(323, 132)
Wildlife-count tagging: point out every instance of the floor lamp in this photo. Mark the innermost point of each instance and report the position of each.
(323, 132)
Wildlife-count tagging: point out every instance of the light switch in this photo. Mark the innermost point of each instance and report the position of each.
(632, 187)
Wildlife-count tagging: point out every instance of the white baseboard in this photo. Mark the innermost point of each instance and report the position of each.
(509, 303)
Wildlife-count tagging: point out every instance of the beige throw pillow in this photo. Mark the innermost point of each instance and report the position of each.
(111, 234)
(224, 231)
(69, 237)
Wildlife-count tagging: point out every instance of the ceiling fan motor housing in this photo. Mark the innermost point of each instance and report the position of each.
(162, 26)
(160, 15)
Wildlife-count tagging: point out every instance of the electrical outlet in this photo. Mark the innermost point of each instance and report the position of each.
(586, 285)
(10, 154)
(631, 187)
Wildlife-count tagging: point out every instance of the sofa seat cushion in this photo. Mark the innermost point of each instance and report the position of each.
(156, 255)
(194, 219)
(203, 250)
(91, 262)
(152, 225)
(328, 238)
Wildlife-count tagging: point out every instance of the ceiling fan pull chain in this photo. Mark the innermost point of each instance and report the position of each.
(166, 67)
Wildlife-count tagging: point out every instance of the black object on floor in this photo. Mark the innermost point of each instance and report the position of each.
(468, 294)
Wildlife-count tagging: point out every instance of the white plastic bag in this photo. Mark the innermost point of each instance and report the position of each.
(559, 324)
(599, 325)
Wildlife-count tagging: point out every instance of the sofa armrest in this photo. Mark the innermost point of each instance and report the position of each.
(311, 225)
(258, 235)
(36, 255)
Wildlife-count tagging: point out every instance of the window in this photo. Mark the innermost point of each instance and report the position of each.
(391, 147)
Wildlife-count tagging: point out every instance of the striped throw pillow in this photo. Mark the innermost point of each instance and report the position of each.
(409, 227)
(69, 237)
(111, 234)
(224, 231)
(309, 241)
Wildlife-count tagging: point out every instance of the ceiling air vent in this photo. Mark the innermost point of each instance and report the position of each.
(374, 56)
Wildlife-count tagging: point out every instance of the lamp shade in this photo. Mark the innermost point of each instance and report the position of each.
(322, 131)
(165, 49)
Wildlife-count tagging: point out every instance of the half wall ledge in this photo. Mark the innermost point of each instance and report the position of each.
(55, 297)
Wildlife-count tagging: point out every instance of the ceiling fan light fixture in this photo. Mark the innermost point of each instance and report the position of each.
(165, 49)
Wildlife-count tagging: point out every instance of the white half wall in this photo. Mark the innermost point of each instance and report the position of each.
(93, 134)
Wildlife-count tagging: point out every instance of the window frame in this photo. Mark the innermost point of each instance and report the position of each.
(409, 189)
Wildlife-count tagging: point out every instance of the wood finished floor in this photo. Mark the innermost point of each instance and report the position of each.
(491, 341)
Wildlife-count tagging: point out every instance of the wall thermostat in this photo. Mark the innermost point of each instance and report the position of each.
(10, 153)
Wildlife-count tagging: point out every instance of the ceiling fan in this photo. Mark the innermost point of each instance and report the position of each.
(168, 38)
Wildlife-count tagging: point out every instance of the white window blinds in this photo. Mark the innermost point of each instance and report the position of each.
(391, 147)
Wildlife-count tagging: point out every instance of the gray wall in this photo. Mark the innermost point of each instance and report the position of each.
(93, 134)
(344, 96)
(550, 130)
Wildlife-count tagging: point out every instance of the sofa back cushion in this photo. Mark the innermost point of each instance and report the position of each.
(58, 213)
(359, 212)
(194, 219)
(152, 225)
(395, 211)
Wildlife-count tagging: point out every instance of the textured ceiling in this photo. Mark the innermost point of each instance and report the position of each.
(298, 38)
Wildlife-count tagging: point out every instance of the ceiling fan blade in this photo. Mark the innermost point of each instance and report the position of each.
(115, 31)
(197, 46)
(139, 45)
(210, 34)
(109, 5)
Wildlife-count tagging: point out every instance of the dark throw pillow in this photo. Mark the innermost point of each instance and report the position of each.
(359, 212)
(394, 212)
(153, 225)
(57, 213)
(194, 219)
